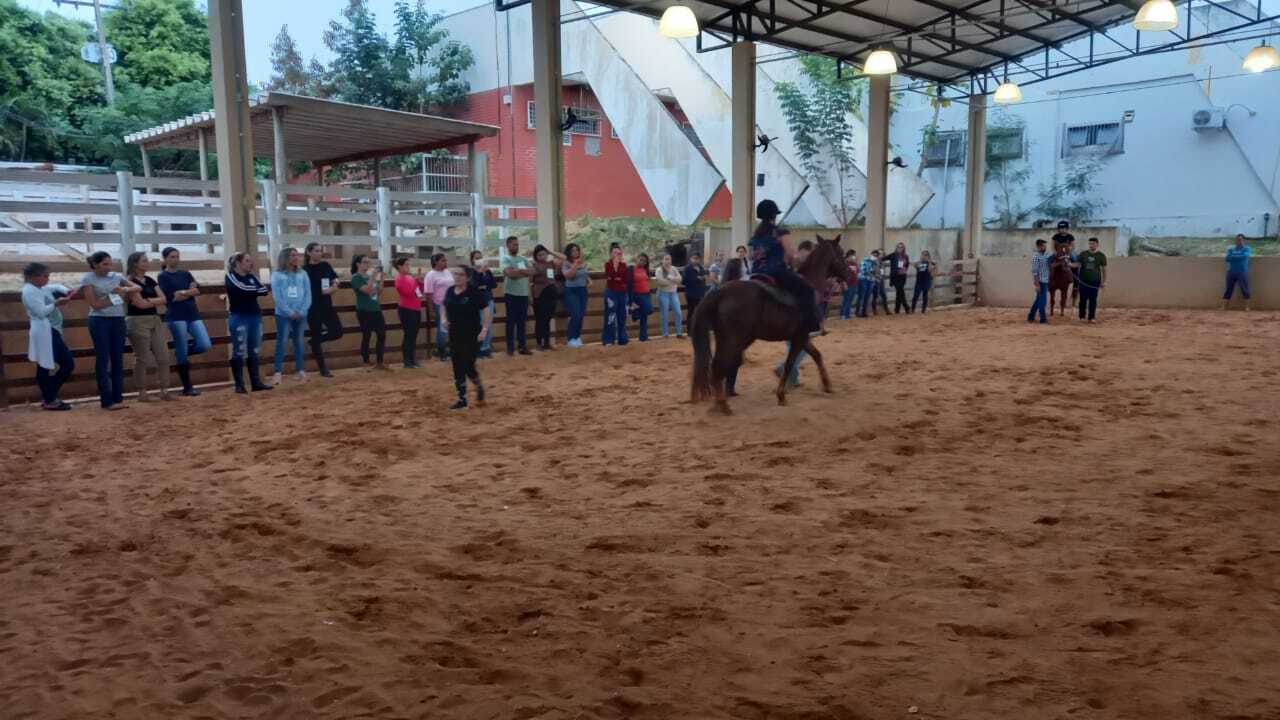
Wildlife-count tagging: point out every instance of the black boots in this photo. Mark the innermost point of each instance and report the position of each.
(184, 374)
(238, 366)
(318, 354)
(237, 374)
(255, 380)
(462, 394)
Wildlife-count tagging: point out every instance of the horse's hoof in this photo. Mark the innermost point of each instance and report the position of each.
(827, 389)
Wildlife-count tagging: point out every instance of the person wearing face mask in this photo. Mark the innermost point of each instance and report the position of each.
(46, 348)
(322, 320)
(244, 319)
(142, 321)
(467, 312)
(190, 336)
(107, 293)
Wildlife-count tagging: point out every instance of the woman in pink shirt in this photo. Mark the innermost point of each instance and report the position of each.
(409, 285)
(436, 285)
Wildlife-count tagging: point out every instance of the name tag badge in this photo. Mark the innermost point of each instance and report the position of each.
(551, 273)
(291, 293)
(116, 299)
(324, 283)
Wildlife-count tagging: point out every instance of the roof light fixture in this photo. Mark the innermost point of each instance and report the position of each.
(880, 62)
(1262, 58)
(1156, 15)
(678, 21)
(1008, 93)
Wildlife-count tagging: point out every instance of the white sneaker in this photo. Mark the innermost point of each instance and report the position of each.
(302, 376)
(275, 379)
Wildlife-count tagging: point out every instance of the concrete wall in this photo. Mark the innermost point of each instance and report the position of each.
(1019, 243)
(1182, 282)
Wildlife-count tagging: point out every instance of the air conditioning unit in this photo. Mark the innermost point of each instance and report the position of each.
(1212, 119)
(506, 99)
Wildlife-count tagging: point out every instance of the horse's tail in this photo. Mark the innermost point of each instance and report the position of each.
(700, 333)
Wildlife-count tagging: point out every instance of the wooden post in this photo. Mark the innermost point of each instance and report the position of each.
(280, 162)
(124, 199)
(146, 161)
(85, 197)
(4, 382)
(233, 128)
(478, 186)
(270, 204)
(314, 227)
(384, 228)
(206, 227)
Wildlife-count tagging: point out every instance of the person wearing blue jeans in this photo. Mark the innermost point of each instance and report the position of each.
(107, 292)
(244, 319)
(1040, 275)
(190, 336)
(640, 300)
(516, 270)
(850, 294)
(291, 290)
(667, 279)
(1237, 271)
(869, 271)
(577, 277)
(617, 280)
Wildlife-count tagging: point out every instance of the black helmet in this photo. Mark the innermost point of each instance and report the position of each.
(1063, 224)
(767, 210)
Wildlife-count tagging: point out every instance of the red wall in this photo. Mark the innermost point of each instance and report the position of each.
(606, 185)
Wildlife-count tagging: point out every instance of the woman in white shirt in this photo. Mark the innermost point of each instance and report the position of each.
(667, 278)
(46, 348)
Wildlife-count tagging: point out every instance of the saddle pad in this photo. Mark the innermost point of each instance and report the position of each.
(774, 292)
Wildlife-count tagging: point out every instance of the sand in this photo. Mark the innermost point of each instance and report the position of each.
(988, 520)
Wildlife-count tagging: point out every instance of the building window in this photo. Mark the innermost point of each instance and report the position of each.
(613, 131)
(587, 121)
(1097, 138)
(1004, 144)
(945, 149)
(592, 146)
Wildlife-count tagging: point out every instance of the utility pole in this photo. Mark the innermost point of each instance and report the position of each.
(102, 50)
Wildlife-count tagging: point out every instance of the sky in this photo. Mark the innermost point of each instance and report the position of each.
(307, 20)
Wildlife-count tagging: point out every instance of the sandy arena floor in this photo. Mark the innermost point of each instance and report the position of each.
(988, 520)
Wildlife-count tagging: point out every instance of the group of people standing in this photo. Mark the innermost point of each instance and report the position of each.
(876, 272)
(1088, 273)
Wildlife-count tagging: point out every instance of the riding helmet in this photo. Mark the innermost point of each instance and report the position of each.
(767, 210)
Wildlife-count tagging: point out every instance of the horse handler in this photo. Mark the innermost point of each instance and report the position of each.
(1092, 277)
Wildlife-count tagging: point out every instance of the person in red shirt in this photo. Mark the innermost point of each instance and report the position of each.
(617, 278)
(641, 302)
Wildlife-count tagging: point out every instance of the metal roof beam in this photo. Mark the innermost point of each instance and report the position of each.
(1008, 30)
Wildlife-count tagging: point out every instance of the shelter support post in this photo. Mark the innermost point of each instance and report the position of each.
(743, 158)
(124, 196)
(232, 126)
(206, 227)
(384, 228)
(547, 99)
(478, 172)
(279, 161)
(975, 171)
(877, 161)
(146, 161)
(271, 205)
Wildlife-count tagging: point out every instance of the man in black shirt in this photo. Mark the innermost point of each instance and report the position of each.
(694, 278)
(322, 319)
(466, 307)
(1062, 237)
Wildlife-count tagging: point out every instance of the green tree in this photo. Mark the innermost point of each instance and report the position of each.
(363, 68)
(42, 78)
(817, 111)
(433, 65)
(289, 74)
(161, 42)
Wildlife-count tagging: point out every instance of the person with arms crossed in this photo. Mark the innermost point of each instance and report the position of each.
(45, 346)
(190, 336)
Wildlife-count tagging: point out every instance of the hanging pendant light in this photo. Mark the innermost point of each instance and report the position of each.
(880, 62)
(678, 21)
(1156, 15)
(1008, 93)
(1262, 58)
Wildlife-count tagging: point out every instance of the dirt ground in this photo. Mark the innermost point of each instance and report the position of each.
(987, 520)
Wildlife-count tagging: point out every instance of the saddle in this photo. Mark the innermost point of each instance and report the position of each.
(775, 293)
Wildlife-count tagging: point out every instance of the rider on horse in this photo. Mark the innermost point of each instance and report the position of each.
(770, 251)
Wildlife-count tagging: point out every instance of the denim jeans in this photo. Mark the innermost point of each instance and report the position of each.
(246, 334)
(1235, 277)
(487, 345)
(669, 304)
(289, 329)
(644, 302)
(50, 381)
(575, 302)
(517, 319)
(615, 317)
(442, 332)
(865, 288)
(108, 335)
(1042, 298)
(846, 301)
(923, 284)
(183, 332)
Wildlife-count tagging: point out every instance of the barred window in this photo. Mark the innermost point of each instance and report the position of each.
(587, 122)
(945, 149)
(1005, 143)
(1105, 138)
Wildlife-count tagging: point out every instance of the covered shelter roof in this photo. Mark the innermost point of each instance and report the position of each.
(948, 42)
(324, 131)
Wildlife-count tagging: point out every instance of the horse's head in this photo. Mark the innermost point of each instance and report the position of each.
(828, 258)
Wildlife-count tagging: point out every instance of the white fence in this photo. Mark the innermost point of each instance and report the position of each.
(76, 212)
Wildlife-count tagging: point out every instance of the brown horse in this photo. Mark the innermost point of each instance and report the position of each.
(743, 311)
(1060, 278)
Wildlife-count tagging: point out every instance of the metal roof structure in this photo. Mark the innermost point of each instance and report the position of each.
(324, 131)
(964, 44)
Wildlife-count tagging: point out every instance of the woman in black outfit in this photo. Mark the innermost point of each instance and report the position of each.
(546, 292)
(322, 320)
(466, 307)
(924, 282)
(244, 319)
(899, 266)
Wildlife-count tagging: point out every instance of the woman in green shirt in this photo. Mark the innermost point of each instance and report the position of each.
(367, 285)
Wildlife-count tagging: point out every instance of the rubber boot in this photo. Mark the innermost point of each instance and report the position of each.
(479, 391)
(184, 374)
(237, 374)
(462, 396)
(255, 379)
(318, 354)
